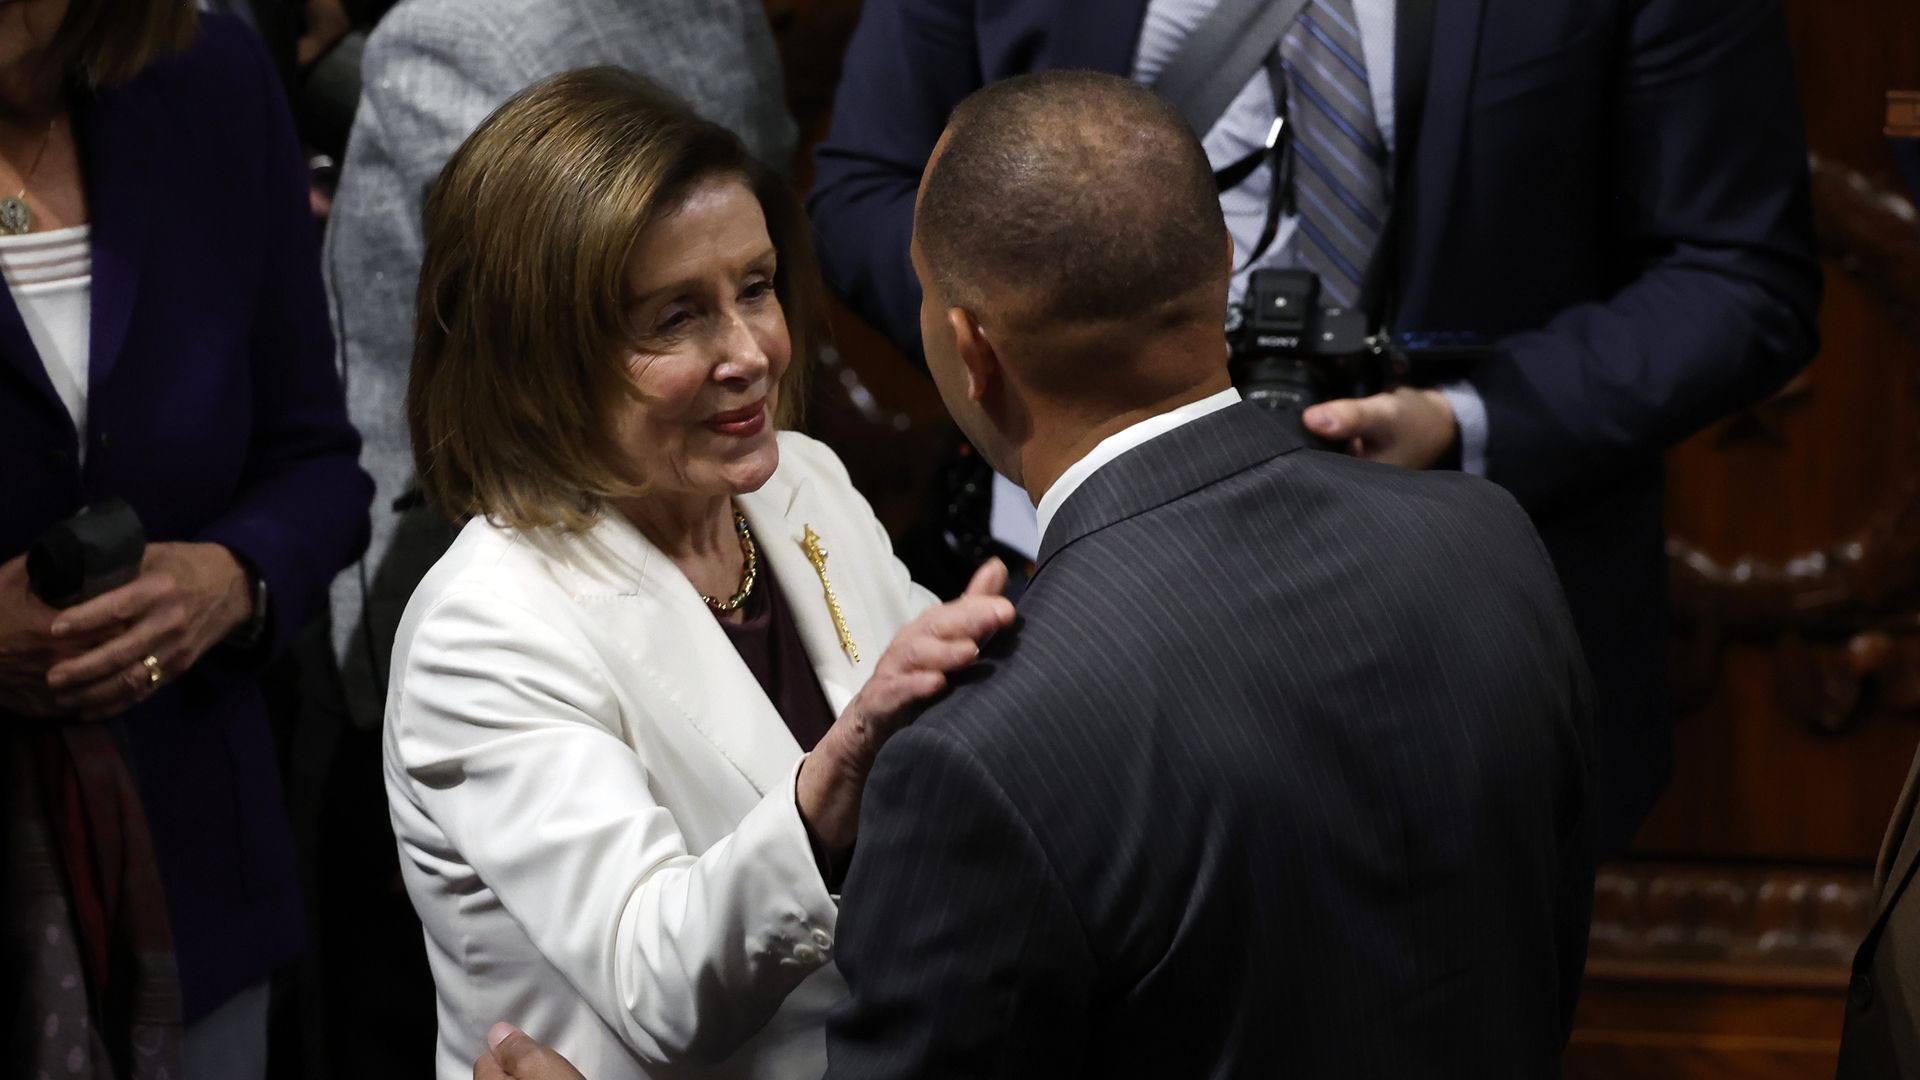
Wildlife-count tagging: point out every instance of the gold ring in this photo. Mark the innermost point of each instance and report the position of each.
(154, 672)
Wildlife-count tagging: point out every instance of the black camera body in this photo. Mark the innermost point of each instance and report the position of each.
(1290, 352)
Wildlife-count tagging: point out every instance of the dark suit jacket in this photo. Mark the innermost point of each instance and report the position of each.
(214, 410)
(1283, 772)
(1881, 1040)
(1615, 190)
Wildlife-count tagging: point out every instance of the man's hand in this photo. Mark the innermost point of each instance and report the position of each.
(187, 597)
(914, 668)
(28, 647)
(513, 1055)
(1407, 427)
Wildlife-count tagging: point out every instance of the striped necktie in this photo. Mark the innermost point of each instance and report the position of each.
(1340, 175)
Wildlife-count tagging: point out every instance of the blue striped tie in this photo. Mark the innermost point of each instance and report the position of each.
(1340, 173)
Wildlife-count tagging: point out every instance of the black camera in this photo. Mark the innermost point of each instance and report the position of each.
(1291, 352)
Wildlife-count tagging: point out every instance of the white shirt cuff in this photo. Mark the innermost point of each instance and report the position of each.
(1470, 413)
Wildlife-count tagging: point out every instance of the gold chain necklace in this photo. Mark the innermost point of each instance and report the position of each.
(732, 603)
(15, 217)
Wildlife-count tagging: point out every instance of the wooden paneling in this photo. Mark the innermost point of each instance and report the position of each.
(1795, 530)
(1653, 1029)
(1903, 114)
(1784, 927)
(1795, 543)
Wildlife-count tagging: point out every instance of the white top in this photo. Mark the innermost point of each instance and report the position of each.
(1242, 128)
(594, 799)
(1122, 441)
(51, 276)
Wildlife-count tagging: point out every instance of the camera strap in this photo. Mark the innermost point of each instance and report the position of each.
(1273, 153)
(1212, 66)
(1222, 53)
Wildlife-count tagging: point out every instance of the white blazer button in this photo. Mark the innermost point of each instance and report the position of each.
(823, 939)
(806, 954)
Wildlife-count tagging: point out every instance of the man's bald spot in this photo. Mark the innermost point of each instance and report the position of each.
(1072, 197)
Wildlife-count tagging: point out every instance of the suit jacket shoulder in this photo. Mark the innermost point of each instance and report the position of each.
(1263, 706)
(1323, 536)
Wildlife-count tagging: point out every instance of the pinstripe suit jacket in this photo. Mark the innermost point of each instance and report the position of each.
(1284, 772)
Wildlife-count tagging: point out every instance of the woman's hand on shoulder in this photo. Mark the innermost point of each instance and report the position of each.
(914, 668)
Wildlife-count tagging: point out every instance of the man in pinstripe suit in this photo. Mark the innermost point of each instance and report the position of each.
(1286, 769)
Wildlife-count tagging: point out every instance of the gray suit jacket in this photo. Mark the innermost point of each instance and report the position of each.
(1285, 772)
(433, 70)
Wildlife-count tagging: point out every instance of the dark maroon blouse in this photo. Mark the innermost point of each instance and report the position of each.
(769, 641)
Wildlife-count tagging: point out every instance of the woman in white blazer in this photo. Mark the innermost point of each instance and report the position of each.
(632, 708)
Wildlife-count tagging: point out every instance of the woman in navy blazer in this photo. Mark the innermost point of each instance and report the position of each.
(203, 393)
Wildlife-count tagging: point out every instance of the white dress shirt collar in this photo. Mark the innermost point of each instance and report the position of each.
(1122, 441)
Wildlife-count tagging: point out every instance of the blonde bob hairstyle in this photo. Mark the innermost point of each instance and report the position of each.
(109, 41)
(522, 334)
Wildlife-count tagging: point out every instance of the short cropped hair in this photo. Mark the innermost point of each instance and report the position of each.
(101, 42)
(1083, 190)
(522, 328)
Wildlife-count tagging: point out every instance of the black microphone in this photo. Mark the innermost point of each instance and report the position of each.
(96, 550)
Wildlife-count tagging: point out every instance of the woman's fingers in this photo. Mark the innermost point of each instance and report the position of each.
(933, 653)
(947, 637)
(108, 696)
(145, 638)
(887, 697)
(943, 639)
(981, 616)
(118, 607)
(517, 1057)
(973, 617)
(989, 580)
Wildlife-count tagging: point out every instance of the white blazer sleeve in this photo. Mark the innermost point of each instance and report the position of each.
(505, 730)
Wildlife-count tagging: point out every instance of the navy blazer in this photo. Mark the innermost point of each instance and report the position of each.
(213, 408)
(1614, 190)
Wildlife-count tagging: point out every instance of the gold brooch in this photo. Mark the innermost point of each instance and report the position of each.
(817, 555)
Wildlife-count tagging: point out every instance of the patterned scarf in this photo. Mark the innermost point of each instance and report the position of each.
(85, 917)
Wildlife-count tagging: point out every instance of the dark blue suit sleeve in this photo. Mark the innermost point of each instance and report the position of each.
(909, 63)
(963, 956)
(1713, 193)
(301, 513)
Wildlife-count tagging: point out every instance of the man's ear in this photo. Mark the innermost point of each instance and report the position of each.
(977, 354)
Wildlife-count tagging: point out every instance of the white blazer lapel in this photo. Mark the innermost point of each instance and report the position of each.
(656, 617)
(780, 514)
